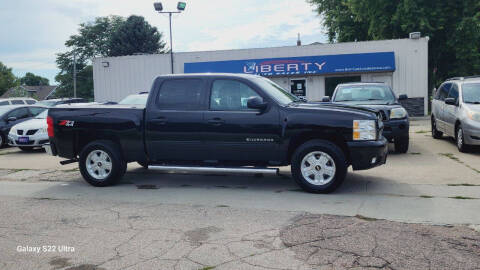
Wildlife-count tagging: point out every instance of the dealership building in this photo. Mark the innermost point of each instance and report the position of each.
(312, 71)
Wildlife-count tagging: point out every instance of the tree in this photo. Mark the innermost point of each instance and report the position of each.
(31, 79)
(7, 79)
(453, 28)
(136, 36)
(95, 40)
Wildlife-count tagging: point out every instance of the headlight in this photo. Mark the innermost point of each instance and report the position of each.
(398, 113)
(42, 130)
(475, 116)
(364, 130)
(13, 131)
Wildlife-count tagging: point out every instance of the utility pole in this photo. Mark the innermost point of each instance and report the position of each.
(74, 74)
(159, 8)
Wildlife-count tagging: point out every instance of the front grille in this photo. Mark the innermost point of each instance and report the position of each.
(31, 131)
(19, 132)
(384, 115)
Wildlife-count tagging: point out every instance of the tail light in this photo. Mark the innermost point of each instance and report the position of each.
(50, 132)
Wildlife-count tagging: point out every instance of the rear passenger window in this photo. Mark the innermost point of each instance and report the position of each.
(181, 94)
(36, 110)
(15, 102)
(29, 101)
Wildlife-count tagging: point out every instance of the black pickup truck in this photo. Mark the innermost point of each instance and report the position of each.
(219, 122)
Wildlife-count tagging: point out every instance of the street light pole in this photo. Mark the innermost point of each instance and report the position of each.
(171, 41)
(159, 8)
(74, 74)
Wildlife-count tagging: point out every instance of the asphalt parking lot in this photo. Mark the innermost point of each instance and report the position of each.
(419, 211)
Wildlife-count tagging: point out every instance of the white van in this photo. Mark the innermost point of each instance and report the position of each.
(17, 101)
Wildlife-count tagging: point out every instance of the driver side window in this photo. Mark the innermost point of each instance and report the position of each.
(19, 113)
(230, 95)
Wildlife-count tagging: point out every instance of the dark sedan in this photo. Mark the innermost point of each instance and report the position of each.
(11, 115)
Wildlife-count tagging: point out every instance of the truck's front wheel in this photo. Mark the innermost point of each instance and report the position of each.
(319, 166)
(101, 163)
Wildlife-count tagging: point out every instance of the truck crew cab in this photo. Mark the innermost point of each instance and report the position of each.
(219, 122)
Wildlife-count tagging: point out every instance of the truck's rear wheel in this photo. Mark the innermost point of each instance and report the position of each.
(319, 166)
(101, 163)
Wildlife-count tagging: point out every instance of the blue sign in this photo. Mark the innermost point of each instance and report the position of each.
(323, 64)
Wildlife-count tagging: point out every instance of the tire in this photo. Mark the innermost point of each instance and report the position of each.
(143, 164)
(2, 140)
(435, 133)
(401, 144)
(460, 140)
(101, 163)
(319, 151)
(26, 148)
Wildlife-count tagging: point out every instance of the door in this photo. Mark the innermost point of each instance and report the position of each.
(332, 82)
(298, 87)
(450, 112)
(174, 120)
(235, 132)
(439, 105)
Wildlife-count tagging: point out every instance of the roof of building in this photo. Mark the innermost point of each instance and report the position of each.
(40, 92)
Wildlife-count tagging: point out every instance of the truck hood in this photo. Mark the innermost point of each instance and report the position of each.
(335, 106)
(384, 109)
(32, 124)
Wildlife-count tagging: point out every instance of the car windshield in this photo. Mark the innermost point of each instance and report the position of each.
(135, 100)
(48, 103)
(276, 92)
(4, 110)
(42, 115)
(364, 94)
(471, 93)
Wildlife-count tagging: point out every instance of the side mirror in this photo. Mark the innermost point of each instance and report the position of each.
(11, 119)
(326, 99)
(402, 97)
(450, 101)
(256, 103)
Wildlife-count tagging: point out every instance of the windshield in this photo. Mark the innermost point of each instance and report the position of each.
(42, 115)
(471, 93)
(4, 110)
(134, 100)
(47, 103)
(364, 94)
(276, 92)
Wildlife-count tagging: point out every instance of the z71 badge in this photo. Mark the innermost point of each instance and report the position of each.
(66, 123)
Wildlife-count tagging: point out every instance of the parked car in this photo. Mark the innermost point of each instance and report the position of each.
(137, 99)
(456, 111)
(219, 122)
(378, 96)
(10, 115)
(59, 101)
(17, 101)
(30, 134)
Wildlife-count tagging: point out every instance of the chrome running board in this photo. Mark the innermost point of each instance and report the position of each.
(195, 169)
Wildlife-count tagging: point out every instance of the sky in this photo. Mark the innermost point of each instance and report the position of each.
(34, 31)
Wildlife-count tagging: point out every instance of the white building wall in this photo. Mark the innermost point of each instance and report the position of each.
(131, 74)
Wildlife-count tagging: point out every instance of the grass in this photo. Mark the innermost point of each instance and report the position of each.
(422, 131)
(223, 205)
(454, 158)
(415, 153)
(463, 198)
(426, 196)
(207, 268)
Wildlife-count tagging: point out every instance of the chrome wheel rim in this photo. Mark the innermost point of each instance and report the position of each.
(318, 168)
(99, 164)
(460, 138)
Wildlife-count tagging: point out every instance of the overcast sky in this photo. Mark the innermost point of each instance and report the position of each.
(34, 31)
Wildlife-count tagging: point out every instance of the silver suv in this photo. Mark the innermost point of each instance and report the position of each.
(456, 111)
